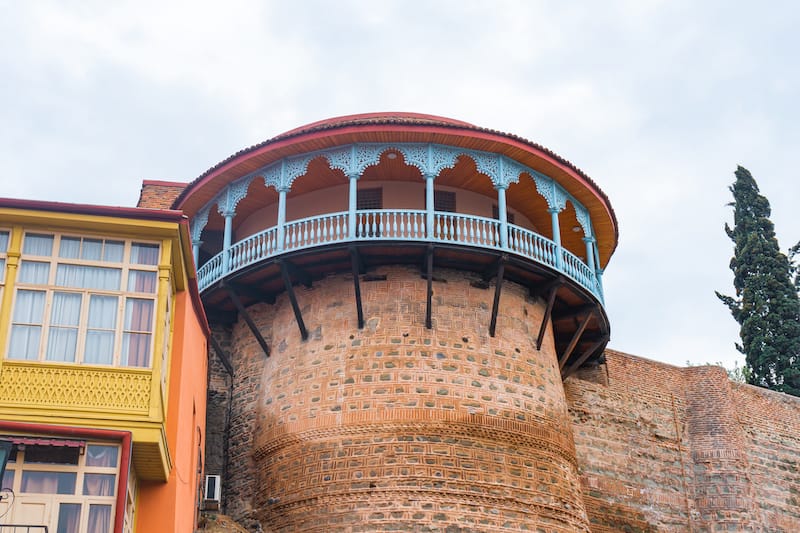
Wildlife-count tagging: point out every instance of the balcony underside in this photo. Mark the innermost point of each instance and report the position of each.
(580, 324)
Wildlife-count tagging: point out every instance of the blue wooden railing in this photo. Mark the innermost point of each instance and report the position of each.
(396, 225)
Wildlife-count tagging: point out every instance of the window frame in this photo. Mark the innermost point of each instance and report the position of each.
(18, 466)
(145, 289)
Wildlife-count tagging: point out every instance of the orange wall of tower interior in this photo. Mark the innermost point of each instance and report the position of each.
(172, 506)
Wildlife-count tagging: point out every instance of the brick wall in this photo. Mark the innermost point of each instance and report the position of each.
(396, 427)
(662, 448)
(159, 194)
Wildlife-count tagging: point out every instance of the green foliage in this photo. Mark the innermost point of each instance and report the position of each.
(766, 304)
(739, 374)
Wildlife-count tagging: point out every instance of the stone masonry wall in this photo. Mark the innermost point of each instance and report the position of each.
(662, 448)
(396, 427)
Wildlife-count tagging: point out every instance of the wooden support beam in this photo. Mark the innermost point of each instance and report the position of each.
(551, 299)
(429, 270)
(297, 273)
(541, 290)
(575, 338)
(248, 320)
(354, 261)
(584, 356)
(223, 357)
(498, 287)
(287, 281)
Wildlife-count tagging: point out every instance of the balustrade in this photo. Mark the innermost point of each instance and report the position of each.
(385, 224)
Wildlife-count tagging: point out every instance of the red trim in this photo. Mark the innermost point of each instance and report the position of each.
(124, 437)
(165, 215)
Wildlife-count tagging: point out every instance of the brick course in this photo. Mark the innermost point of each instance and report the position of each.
(396, 427)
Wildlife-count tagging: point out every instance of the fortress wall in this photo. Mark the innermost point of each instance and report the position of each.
(396, 427)
(662, 448)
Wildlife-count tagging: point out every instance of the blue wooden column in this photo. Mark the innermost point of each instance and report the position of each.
(351, 207)
(589, 241)
(502, 214)
(557, 237)
(281, 228)
(429, 205)
(226, 239)
(196, 244)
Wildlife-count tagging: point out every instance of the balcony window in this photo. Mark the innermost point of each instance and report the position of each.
(369, 199)
(73, 487)
(84, 300)
(4, 238)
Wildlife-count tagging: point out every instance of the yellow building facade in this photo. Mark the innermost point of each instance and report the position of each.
(102, 368)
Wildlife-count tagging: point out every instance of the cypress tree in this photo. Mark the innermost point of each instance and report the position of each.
(766, 305)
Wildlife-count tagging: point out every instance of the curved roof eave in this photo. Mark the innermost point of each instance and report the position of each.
(374, 123)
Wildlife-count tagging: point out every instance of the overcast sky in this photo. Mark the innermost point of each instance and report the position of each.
(657, 101)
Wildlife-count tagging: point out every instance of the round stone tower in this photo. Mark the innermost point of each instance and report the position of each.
(397, 299)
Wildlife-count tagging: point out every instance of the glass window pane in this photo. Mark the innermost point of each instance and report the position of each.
(114, 251)
(48, 482)
(8, 480)
(24, 342)
(99, 455)
(92, 249)
(3, 241)
(88, 277)
(103, 311)
(98, 484)
(35, 244)
(2, 269)
(69, 517)
(99, 518)
(29, 307)
(66, 310)
(141, 281)
(34, 272)
(144, 254)
(99, 347)
(61, 344)
(70, 248)
(135, 349)
(138, 314)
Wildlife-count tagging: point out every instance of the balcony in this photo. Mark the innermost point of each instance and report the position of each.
(372, 226)
(296, 209)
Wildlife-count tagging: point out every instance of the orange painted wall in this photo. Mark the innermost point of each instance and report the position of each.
(171, 506)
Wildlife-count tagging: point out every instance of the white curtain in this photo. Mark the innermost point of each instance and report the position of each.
(26, 330)
(114, 251)
(136, 339)
(99, 484)
(70, 248)
(35, 244)
(99, 518)
(144, 254)
(36, 272)
(69, 517)
(142, 281)
(100, 455)
(88, 277)
(63, 332)
(92, 249)
(100, 333)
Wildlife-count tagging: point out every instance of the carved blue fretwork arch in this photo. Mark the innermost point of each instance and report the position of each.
(430, 159)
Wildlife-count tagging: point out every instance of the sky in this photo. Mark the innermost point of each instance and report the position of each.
(657, 101)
